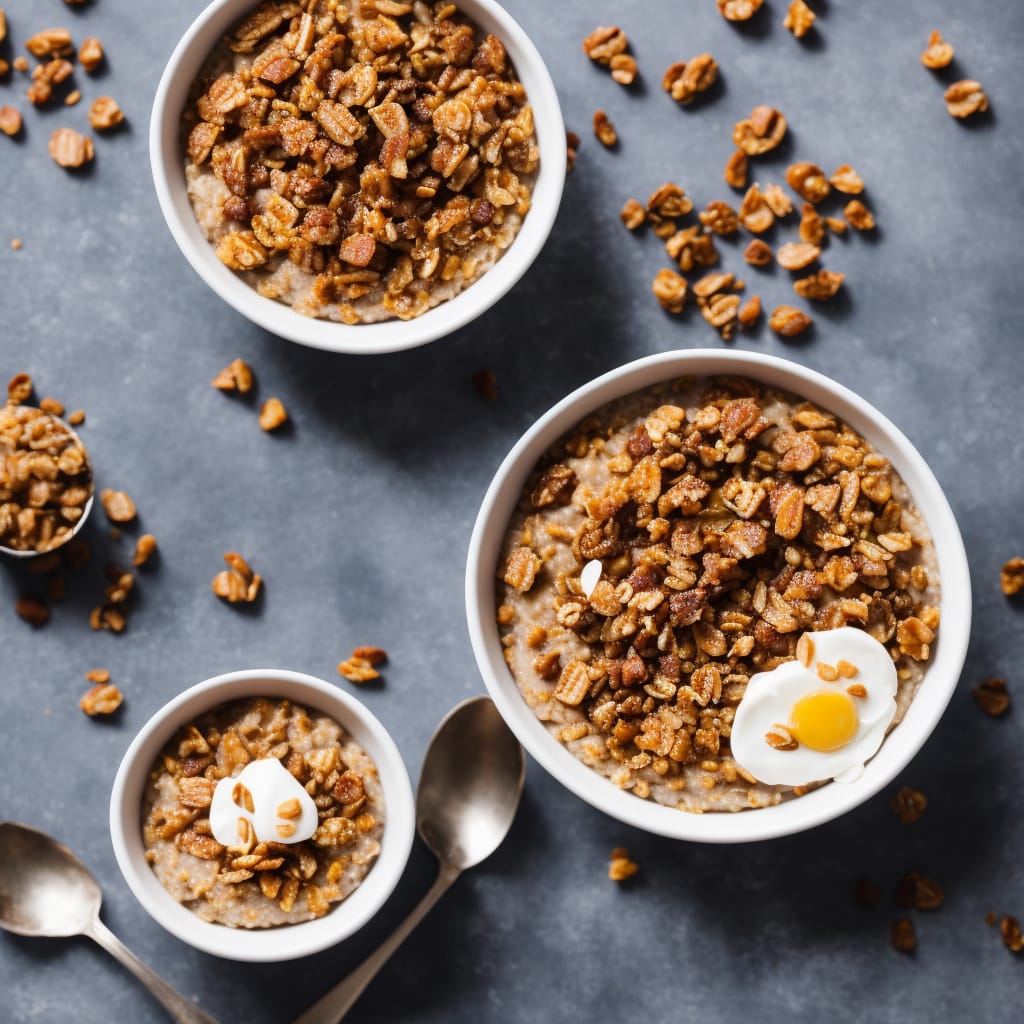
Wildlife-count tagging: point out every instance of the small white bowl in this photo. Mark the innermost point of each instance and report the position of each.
(167, 160)
(822, 804)
(286, 942)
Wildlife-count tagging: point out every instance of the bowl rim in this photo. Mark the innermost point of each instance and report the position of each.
(359, 339)
(820, 805)
(267, 944)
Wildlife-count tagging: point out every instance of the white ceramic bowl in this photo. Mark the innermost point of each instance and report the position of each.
(167, 160)
(821, 804)
(288, 941)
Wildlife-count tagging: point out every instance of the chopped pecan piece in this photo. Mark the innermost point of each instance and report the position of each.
(735, 173)
(758, 253)
(720, 218)
(633, 215)
(51, 42)
(240, 250)
(809, 181)
(104, 113)
(685, 81)
(273, 415)
(624, 69)
(812, 227)
(909, 804)
(69, 149)
(939, 53)
(1013, 937)
(739, 10)
(620, 867)
(90, 54)
(118, 505)
(1011, 577)
(820, 286)
(755, 213)
(604, 130)
(789, 321)
(919, 892)
(965, 98)
(521, 569)
(604, 43)
(904, 940)
(102, 699)
(992, 696)
(799, 18)
(670, 290)
(847, 180)
(858, 215)
(761, 132)
(236, 376)
(238, 582)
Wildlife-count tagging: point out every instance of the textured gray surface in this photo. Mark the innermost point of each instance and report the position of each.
(360, 514)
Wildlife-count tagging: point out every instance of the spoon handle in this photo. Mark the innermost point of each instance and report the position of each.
(176, 1005)
(340, 999)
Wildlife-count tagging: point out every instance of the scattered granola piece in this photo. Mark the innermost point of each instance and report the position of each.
(836, 225)
(735, 173)
(797, 255)
(272, 415)
(778, 202)
(51, 42)
(605, 42)
(868, 893)
(669, 201)
(90, 54)
(621, 867)
(102, 700)
(486, 384)
(761, 132)
(684, 81)
(572, 145)
(624, 68)
(604, 129)
(820, 286)
(521, 569)
(69, 149)
(1011, 578)
(19, 388)
(750, 311)
(145, 548)
(72, 98)
(670, 290)
(846, 179)
(721, 311)
(10, 120)
(76, 418)
(98, 675)
(45, 77)
(118, 505)
(739, 10)
(236, 376)
(20, 63)
(359, 667)
(104, 113)
(238, 582)
(374, 655)
(51, 406)
(965, 98)
(917, 891)
(902, 935)
(758, 253)
(858, 215)
(633, 215)
(789, 321)
(909, 804)
(32, 609)
(799, 18)
(1013, 938)
(755, 213)
(939, 53)
(809, 181)
(812, 227)
(992, 696)
(720, 218)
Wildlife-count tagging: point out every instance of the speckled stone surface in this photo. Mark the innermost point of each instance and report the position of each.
(359, 515)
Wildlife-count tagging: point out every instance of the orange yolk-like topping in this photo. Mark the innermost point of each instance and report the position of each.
(824, 720)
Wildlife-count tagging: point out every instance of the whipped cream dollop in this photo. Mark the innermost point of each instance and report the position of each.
(264, 803)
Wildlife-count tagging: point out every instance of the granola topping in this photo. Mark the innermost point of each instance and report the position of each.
(359, 163)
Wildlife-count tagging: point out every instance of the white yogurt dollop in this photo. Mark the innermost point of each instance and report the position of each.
(267, 796)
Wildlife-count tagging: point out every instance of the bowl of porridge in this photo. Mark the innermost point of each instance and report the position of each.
(718, 595)
(262, 815)
(358, 177)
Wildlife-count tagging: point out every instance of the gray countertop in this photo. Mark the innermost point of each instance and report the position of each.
(359, 516)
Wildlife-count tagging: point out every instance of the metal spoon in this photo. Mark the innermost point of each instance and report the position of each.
(469, 791)
(45, 890)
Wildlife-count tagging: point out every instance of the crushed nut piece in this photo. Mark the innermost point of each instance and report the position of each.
(104, 113)
(633, 215)
(761, 132)
(236, 376)
(909, 804)
(812, 227)
(758, 253)
(835, 225)
(238, 582)
(624, 68)
(789, 321)
(902, 935)
(32, 609)
(739, 10)
(72, 98)
(69, 149)
(98, 675)
(939, 53)
(820, 286)
(799, 18)
(992, 696)
(755, 213)
(1011, 577)
(670, 290)
(621, 867)
(76, 418)
(604, 130)
(90, 54)
(965, 98)
(809, 181)
(19, 389)
(51, 42)
(359, 667)
(917, 891)
(145, 548)
(858, 215)
(51, 406)
(10, 120)
(750, 311)
(605, 42)
(797, 255)
(847, 180)
(1013, 937)
(20, 63)
(118, 505)
(736, 170)
(272, 415)
(102, 699)
(685, 81)
(720, 218)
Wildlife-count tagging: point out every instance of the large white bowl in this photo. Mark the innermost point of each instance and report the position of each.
(167, 159)
(288, 941)
(821, 804)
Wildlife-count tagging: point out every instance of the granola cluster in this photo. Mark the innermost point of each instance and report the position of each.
(385, 149)
(725, 520)
(45, 479)
(251, 883)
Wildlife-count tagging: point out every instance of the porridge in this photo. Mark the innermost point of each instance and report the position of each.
(359, 161)
(300, 800)
(689, 538)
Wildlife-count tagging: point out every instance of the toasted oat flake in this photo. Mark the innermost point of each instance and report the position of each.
(74, 97)
(620, 866)
(846, 179)
(820, 286)
(797, 255)
(939, 54)
(750, 311)
(789, 321)
(98, 675)
(1011, 577)
(76, 418)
